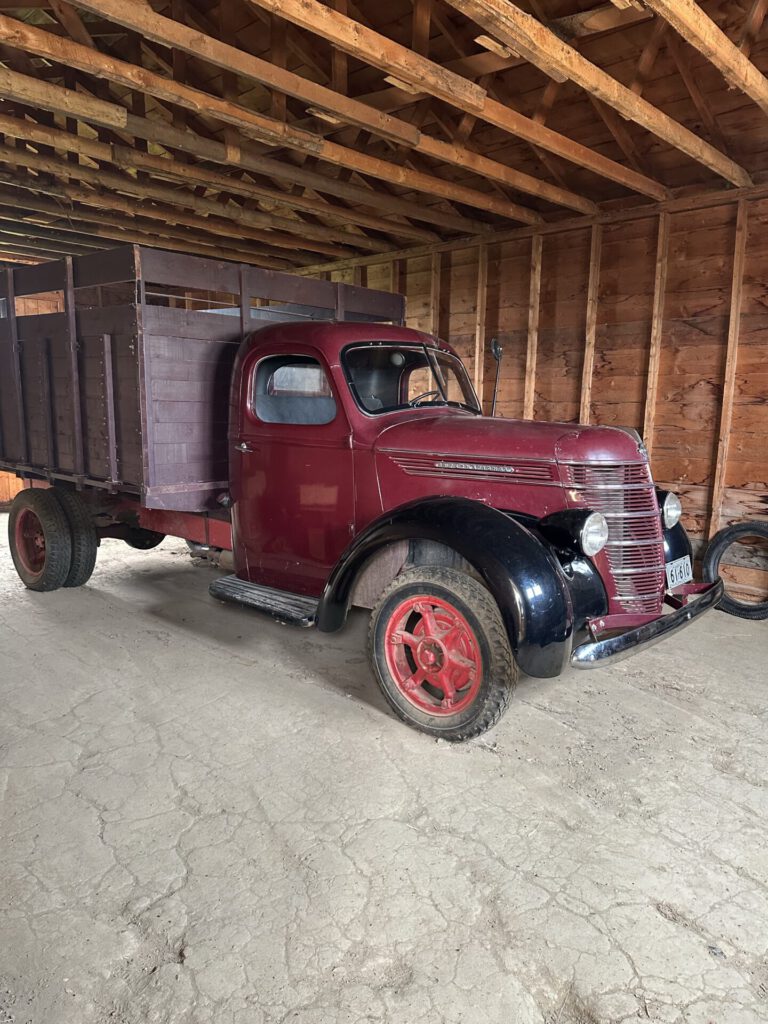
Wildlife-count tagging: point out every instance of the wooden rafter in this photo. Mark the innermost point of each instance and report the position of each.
(264, 129)
(752, 25)
(698, 29)
(402, 62)
(172, 33)
(507, 22)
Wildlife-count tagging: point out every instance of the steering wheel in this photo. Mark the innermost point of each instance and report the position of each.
(420, 398)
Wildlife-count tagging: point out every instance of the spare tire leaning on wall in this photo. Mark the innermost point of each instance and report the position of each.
(713, 556)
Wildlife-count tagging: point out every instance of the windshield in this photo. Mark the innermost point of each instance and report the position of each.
(385, 377)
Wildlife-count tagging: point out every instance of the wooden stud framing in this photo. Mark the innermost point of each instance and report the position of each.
(435, 281)
(480, 311)
(593, 291)
(657, 326)
(729, 377)
(534, 303)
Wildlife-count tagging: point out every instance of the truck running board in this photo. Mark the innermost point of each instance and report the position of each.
(294, 609)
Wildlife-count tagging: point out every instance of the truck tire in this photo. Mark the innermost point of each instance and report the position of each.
(143, 540)
(711, 567)
(40, 540)
(440, 653)
(85, 543)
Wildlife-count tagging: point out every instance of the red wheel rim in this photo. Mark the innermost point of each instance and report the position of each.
(30, 541)
(433, 655)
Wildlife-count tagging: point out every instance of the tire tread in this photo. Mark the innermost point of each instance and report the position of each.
(480, 600)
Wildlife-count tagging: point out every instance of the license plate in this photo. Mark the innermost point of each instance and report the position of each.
(678, 572)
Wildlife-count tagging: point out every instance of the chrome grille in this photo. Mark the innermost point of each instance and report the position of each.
(625, 494)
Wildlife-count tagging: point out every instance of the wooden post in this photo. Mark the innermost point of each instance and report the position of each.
(480, 310)
(10, 298)
(434, 292)
(657, 324)
(729, 377)
(74, 368)
(534, 296)
(109, 402)
(593, 288)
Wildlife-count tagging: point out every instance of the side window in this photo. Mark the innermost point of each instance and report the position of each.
(292, 389)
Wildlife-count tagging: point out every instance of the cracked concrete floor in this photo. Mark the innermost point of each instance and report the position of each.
(210, 818)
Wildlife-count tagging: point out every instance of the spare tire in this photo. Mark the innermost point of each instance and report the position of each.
(711, 566)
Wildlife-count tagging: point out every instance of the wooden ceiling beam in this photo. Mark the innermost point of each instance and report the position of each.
(106, 200)
(752, 25)
(391, 58)
(508, 23)
(107, 224)
(125, 157)
(168, 32)
(247, 223)
(172, 33)
(698, 29)
(234, 153)
(265, 129)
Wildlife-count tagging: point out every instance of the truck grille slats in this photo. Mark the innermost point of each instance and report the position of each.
(625, 494)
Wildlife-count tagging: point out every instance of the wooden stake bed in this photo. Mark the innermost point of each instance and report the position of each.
(127, 388)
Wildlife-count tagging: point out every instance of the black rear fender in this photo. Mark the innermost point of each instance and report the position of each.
(521, 572)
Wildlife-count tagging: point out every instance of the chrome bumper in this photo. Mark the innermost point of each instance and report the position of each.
(603, 652)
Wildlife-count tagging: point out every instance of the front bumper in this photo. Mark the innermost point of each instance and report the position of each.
(603, 652)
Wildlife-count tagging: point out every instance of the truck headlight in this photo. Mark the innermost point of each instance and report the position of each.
(594, 533)
(671, 510)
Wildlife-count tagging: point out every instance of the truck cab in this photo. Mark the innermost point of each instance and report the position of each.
(361, 464)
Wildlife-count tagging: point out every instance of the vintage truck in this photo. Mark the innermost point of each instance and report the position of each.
(342, 459)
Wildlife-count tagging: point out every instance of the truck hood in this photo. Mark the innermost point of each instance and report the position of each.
(476, 438)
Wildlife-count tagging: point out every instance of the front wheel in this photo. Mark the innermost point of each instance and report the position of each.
(440, 653)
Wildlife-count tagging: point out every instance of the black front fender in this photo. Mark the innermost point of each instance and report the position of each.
(520, 571)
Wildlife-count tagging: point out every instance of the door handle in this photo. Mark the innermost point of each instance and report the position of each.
(244, 447)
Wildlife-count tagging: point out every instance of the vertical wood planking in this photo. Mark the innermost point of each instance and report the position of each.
(435, 275)
(109, 402)
(480, 310)
(657, 324)
(729, 376)
(10, 293)
(74, 368)
(534, 302)
(593, 292)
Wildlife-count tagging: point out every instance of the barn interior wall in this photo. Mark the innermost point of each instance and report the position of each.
(684, 424)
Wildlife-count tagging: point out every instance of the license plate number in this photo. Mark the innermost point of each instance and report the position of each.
(678, 572)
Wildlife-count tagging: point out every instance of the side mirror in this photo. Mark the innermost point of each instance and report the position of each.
(496, 349)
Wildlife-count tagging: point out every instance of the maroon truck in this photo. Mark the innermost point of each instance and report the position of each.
(342, 459)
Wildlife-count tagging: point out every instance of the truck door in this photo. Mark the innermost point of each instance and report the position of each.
(292, 476)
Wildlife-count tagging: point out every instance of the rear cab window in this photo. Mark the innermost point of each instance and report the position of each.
(292, 389)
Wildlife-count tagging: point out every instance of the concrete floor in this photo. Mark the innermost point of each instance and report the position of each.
(211, 818)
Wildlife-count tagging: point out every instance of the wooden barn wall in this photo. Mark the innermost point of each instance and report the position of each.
(27, 306)
(592, 362)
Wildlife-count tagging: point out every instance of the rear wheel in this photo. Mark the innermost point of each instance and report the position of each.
(85, 543)
(40, 540)
(440, 653)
